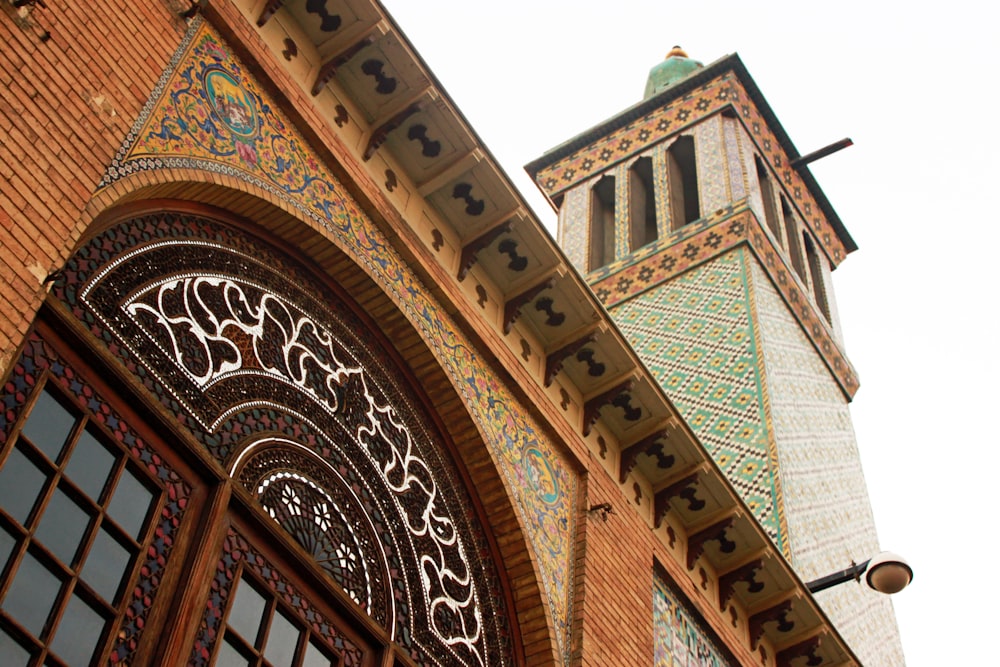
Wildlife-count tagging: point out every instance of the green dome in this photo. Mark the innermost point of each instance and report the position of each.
(676, 67)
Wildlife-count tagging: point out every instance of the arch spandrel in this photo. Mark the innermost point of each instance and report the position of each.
(165, 144)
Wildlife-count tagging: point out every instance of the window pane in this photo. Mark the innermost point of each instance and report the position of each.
(130, 504)
(78, 632)
(48, 425)
(31, 595)
(7, 542)
(282, 639)
(246, 611)
(316, 656)
(62, 526)
(106, 563)
(89, 465)
(20, 482)
(12, 653)
(229, 656)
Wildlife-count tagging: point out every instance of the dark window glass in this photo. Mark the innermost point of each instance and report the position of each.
(31, 595)
(282, 639)
(89, 465)
(48, 425)
(230, 656)
(106, 563)
(62, 526)
(7, 542)
(12, 654)
(316, 656)
(130, 504)
(78, 633)
(246, 612)
(20, 482)
(78, 497)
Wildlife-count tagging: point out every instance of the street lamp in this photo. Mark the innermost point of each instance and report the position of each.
(886, 573)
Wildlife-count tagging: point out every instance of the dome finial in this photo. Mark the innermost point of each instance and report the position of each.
(675, 67)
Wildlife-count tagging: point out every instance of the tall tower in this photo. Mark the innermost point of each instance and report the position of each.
(712, 246)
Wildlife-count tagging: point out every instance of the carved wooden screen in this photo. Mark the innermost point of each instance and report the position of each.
(286, 388)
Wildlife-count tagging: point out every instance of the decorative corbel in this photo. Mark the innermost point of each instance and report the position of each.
(746, 573)
(471, 250)
(716, 532)
(683, 488)
(329, 69)
(554, 361)
(512, 308)
(381, 133)
(775, 614)
(807, 648)
(592, 408)
(650, 446)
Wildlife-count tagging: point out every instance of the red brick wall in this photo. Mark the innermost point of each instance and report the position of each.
(65, 107)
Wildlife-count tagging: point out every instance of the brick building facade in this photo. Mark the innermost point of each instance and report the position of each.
(292, 374)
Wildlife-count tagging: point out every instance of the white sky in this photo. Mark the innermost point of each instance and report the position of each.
(914, 85)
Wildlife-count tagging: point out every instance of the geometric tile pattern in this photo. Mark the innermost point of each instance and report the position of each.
(828, 509)
(690, 109)
(695, 335)
(208, 113)
(700, 242)
(678, 639)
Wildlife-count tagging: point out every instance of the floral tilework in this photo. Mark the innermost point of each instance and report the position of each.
(678, 639)
(695, 335)
(208, 113)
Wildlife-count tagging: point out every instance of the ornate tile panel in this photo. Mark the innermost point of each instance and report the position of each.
(713, 176)
(688, 110)
(694, 334)
(678, 638)
(734, 159)
(661, 188)
(825, 497)
(573, 226)
(623, 214)
(208, 113)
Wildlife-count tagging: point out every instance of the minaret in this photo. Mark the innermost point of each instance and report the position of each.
(712, 247)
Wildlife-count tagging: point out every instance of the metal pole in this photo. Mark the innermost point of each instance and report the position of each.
(854, 572)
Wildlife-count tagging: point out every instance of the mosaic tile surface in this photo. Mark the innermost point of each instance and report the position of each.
(573, 227)
(724, 91)
(709, 237)
(713, 175)
(678, 639)
(825, 497)
(208, 113)
(695, 335)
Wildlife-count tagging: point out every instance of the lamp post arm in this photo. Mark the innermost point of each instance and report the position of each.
(854, 572)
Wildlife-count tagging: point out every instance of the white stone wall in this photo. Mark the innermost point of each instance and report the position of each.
(826, 503)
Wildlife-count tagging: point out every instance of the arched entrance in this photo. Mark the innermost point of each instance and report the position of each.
(320, 517)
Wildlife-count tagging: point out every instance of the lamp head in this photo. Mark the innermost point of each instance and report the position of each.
(888, 573)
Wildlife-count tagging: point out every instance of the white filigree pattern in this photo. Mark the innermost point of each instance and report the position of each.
(215, 327)
(337, 543)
